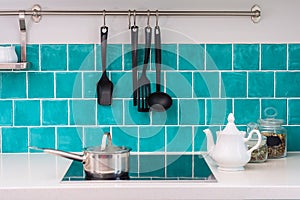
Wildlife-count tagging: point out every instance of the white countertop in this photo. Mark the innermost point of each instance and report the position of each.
(37, 176)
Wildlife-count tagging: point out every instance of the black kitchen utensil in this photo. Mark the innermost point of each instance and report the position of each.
(144, 89)
(158, 101)
(104, 85)
(134, 47)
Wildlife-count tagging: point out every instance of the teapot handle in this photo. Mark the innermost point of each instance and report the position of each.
(258, 142)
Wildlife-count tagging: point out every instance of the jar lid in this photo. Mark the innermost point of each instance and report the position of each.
(270, 122)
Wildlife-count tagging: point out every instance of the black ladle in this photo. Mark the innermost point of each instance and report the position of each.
(158, 101)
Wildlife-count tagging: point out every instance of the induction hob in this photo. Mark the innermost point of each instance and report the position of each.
(154, 167)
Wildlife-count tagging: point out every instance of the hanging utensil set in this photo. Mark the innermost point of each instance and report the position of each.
(142, 96)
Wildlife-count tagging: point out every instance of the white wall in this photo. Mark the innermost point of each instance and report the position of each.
(279, 23)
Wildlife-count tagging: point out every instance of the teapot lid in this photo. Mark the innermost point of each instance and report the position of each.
(230, 127)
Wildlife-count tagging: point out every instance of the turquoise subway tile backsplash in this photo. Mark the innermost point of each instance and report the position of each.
(53, 57)
(81, 57)
(219, 56)
(287, 84)
(233, 84)
(294, 56)
(69, 85)
(6, 117)
(13, 85)
(14, 140)
(53, 103)
(246, 56)
(55, 112)
(191, 57)
(27, 113)
(44, 137)
(40, 85)
(273, 56)
(260, 84)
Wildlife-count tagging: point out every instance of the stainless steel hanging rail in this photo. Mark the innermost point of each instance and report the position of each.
(36, 12)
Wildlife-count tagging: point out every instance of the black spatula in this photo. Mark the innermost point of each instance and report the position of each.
(104, 85)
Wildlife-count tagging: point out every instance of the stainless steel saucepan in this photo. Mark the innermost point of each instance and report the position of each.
(103, 162)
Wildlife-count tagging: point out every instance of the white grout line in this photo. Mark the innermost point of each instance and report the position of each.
(247, 84)
(259, 58)
(67, 53)
(287, 57)
(205, 58)
(232, 57)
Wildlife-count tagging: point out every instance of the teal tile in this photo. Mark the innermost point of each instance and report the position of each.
(293, 138)
(191, 57)
(133, 117)
(206, 84)
(294, 56)
(294, 111)
(280, 106)
(6, 114)
(179, 84)
(13, 85)
(14, 140)
(287, 84)
(69, 85)
(179, 139)
(113, 59)
(260, 84)
(121, 79)
(273, 56)
(55, 112)
(27, 113)
(169, 117)
(233, 84)
(40, 85)
(83, 112)
(200, 139)
(134, 165)
(81, 57)
(246, 110)
(152, 139)
(179, 166)
(93, 135)
(90, 80)
(53, 57)
(147, 168)
(32, 55)
(128, 56)
(246, 56)
(42, 137)
(69, 139)
(217, 111)
(191, 111)
(110, 115)
(125, 136)
(219, 56)
(168, 57)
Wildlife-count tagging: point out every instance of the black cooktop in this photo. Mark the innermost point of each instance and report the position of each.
(153, 167)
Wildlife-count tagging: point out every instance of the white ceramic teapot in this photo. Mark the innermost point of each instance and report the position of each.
(230, 151)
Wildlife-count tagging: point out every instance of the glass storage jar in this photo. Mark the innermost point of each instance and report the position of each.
(276, 136)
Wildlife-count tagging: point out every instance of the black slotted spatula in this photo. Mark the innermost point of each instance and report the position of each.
(104, 85)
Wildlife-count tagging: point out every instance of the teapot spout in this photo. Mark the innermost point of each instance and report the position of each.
(210, 140)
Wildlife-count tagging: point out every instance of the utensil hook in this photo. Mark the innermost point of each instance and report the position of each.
(156, 14)
(134, 17)
(148, 20)
(129, 19)
(104, 22)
